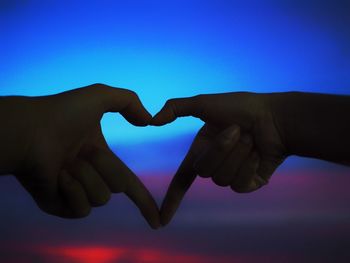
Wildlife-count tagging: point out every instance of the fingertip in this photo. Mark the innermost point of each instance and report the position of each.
(164, 222)
(134, 111)
(152, 220)
(166, 115)
(145, 202)
(165, 218)
(150, 213)
(154, 224)
(178, 187)
(143, 120)
(162, 117)
(168, 208)
(155, 218)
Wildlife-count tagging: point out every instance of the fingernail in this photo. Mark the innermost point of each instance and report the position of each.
(156, 226)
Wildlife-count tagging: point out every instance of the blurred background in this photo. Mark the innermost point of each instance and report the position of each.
(165, 49)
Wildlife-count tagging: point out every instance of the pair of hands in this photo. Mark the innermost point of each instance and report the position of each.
(62, 159)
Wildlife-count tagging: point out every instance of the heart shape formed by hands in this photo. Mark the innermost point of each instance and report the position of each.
(67, 166)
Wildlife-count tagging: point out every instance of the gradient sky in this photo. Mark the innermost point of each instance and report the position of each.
(165, 49)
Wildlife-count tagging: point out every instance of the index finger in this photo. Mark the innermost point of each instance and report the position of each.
(143, 199)
(120, 178)
(185, 175)
(175, 108)
(178, 187)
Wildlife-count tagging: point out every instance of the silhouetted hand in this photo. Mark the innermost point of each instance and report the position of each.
(59, 153)
(239, 145)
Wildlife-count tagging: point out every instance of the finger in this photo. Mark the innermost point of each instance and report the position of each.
(41, 183)
(221, 146)
(143, 199)
(226, 172)
(103, 98)
(175, 108)
(74, 195)
(178, 187)
(96, 189)
(111, 169)
(135, 112)
(247, 179)
(185, 174)
(120, 178)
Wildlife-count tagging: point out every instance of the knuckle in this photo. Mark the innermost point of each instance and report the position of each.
(101, 199)
(132, 94)
(201, 170)
(172, 104)
(220, 181)
(82, 212)
(97, 86)
(170, 101)
(199, 97)
(238, 188)
(203, 175)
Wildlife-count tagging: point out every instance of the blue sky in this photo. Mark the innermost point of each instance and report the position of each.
(165, 49)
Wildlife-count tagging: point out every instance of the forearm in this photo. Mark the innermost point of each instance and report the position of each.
(314, 125)
(15, 130)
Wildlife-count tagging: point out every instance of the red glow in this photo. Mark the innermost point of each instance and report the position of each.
(88, 254)
(91, 254)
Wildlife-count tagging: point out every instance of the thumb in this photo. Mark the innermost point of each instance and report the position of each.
(102, 98)
(175, 108)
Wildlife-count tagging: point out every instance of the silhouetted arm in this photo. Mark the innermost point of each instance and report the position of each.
(14, 133)
(314, 125)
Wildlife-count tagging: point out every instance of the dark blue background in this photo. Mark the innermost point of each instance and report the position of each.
(165, 49)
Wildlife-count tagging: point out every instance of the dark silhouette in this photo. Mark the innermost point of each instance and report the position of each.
(246, 136)
(55, 148)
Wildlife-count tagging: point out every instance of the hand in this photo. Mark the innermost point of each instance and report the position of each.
(66, 164)
(239, 145)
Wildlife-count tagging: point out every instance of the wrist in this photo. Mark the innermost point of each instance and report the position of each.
(280, 107)
(16, 132)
